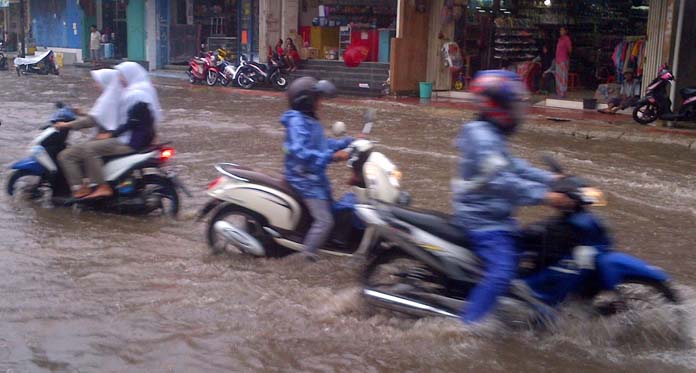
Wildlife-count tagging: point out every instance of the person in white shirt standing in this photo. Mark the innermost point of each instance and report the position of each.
(94, 44)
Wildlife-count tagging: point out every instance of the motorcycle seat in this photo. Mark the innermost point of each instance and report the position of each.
(432, 222)
(265, 178)
(688, 91)
(109, 158)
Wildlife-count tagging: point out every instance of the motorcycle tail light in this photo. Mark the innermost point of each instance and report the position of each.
(214, 183)
(166, 153)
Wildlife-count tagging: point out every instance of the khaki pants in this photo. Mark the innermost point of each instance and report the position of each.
(88, 155)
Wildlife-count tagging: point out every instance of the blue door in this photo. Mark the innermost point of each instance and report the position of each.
(163, 13)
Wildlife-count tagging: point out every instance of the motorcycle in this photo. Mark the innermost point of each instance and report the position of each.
(226, 71)
(202, 69)
(657, 105)
(251, 73)
(42, 64)
(421, 265)
(3, 62)
(260, 214)
(140, 182)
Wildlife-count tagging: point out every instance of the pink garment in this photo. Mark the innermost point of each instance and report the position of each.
(563, 49)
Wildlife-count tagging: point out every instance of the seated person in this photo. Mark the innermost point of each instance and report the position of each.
(291, 54)
(628, 95)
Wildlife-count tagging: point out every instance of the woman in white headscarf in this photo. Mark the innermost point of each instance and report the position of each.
(105, 115)
(140, 107)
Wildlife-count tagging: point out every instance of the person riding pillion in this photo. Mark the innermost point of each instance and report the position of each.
(307, 155)
(492, 184)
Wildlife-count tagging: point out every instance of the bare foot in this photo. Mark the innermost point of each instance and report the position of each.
(102, 191)
(82, 192)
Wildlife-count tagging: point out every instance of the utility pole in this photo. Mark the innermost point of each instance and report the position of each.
(22, 22)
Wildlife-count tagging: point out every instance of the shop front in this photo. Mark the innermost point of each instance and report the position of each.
(121, 24)
(10, 23)
(329, 27)
(202, 25)
(608, 39)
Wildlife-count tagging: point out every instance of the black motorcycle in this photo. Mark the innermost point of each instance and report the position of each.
(657, 105)
(252, 73)
(3, 62)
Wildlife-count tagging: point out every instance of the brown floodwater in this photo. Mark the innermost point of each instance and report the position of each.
(86, 291)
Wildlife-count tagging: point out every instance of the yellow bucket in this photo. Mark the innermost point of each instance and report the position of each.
(59, 59)
(31, 50)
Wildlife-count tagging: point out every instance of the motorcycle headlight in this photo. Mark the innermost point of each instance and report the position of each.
(593, 196)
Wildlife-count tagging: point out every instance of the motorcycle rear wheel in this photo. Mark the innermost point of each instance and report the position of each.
(399, 274)
(280, 81)
(646, 113)
(161, 188)
(247, 220)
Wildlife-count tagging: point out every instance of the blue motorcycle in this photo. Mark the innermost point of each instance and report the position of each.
(140, 181)
(421, 265)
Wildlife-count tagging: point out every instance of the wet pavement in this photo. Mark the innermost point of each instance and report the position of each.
(90, 291)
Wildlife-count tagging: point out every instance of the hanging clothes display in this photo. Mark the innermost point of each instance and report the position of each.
(628, 54)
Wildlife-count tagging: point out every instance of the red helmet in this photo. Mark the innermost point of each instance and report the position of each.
(503, 97)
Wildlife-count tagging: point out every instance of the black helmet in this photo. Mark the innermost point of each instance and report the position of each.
(303, 93)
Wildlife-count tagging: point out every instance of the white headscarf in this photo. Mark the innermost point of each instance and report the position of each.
(107, 109)
(139, 89)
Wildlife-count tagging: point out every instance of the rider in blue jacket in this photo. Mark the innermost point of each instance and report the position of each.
(492, 184)
(308, 153)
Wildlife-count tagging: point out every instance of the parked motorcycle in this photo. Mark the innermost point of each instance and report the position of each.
(3, 47)
(252, 73)
(3, 62)
(202, 69)
(657, 105)
(421, 265)
(140, 181)
(260, 214)
(42, 64)
(226, 70)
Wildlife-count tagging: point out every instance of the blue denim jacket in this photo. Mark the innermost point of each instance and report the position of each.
(307, 154)
(492, 183)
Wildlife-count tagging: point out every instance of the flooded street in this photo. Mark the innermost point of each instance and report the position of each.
(99, 292)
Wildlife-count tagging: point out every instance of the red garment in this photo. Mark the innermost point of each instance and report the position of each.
(294, 55)
(563, 48)
(280, 51)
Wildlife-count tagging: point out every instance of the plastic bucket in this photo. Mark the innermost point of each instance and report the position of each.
(59, 59)
(426, 89)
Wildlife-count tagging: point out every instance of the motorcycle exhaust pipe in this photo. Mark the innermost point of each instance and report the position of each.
(405, 305)
(239, 238)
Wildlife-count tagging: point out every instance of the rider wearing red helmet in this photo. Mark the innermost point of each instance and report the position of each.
(492, 184)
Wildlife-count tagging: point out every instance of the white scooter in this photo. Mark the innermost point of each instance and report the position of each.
(43, 63)
(260, 214)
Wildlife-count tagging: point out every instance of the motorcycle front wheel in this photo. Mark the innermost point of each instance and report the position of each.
(22, 183)
(646, 113)
(243, 79)
(212, 78)
(638, 296)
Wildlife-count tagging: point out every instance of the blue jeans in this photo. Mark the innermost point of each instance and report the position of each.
(498, 251)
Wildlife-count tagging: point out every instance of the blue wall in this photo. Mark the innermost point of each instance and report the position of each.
(52, 23)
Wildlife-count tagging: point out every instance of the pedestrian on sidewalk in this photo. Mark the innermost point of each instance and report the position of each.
(94, 45)
(564, 47)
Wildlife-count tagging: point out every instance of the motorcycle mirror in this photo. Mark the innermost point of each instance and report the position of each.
(552, 163)
(338, 129)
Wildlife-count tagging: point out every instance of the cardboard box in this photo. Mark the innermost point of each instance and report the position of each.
(309, 53)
